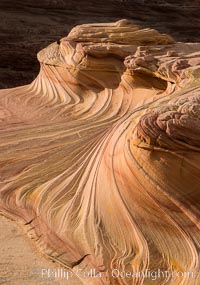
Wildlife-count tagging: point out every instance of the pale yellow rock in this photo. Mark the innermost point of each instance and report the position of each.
(99, 155)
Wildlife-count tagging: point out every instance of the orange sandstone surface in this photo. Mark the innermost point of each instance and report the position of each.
(99, 155)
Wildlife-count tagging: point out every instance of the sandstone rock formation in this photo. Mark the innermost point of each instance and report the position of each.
(99, 155)
(21, 38)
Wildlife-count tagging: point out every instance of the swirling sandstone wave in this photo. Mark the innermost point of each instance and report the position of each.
(100, 153)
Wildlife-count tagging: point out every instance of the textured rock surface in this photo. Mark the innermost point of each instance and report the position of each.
(99, 155)
(28, 26)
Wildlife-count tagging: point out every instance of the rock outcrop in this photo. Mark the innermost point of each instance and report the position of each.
(21, 38)
(99, 155)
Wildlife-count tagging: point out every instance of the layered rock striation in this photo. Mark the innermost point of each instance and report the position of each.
(99, 155)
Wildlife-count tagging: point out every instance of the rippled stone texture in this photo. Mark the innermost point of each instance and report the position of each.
(99, 155)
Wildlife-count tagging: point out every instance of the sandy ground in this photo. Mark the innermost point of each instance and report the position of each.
(20, 264)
